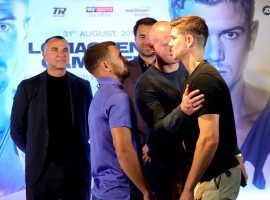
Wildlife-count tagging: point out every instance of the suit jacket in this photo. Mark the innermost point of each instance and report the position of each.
(29, 123)
(135, 72)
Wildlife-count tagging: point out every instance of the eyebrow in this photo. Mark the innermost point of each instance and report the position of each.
(6, 15)
(7, 18)
(241, 28)
(53, 47)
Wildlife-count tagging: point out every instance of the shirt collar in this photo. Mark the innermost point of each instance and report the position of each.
(109, 81)
(143, 65)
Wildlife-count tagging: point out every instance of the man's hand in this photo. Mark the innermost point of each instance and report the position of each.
(191, 101)
(187, 195)
(239, 157)
(149, 196)
(145, 156)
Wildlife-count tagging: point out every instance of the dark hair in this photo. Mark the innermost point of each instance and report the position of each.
(193, 25)
(95, 54)
(148, 21)
(53, 37)
(175, 7)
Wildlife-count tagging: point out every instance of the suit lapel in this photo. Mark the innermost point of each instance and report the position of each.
(72, 85)
(42, 94)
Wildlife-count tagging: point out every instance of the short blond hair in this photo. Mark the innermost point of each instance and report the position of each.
(193, 25)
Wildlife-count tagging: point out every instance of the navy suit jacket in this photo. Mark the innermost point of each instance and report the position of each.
(29, 123)
(135, 72)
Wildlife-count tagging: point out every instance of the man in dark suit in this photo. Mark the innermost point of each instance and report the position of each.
(49, 123)
(139, 65)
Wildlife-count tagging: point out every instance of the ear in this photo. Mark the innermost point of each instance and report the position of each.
(253, 33)
(105, 66)
(189, 40)
(43, 55)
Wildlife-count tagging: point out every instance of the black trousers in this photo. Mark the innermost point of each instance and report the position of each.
(59, 182)
(165, 180)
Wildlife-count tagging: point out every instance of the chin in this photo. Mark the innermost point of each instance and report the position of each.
(175, 58)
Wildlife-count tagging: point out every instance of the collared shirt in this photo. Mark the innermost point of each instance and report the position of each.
(143, 64)
(111, 107)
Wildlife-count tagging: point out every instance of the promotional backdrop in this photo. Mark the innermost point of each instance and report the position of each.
(84, 22)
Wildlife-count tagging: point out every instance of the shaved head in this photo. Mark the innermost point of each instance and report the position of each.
(159, 31)
(159, 37)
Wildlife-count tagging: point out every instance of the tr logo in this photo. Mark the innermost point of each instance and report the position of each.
(266, 10)
(57, 11)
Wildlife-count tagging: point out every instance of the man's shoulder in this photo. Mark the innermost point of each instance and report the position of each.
(133, 63)
(110, 91)
(207, 68)
(76, 79)
(120, 97)
(149, 75)
(34, 79)
(32, 84)
(111, 96)
(207, 78)
(206, 71)
(150, 80)
(134, 67)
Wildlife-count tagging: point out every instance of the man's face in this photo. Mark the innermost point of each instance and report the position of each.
(229, 42)
(13, 22)
(178, 45)
(117, 61)
(56, 54)
(142, 41)
(162, 48)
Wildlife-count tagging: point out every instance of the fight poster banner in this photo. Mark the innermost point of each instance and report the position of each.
(238, 46)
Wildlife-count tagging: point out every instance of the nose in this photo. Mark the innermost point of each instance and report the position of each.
(214, 50)
(62, 53)
(170, 43)
(146, 40)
